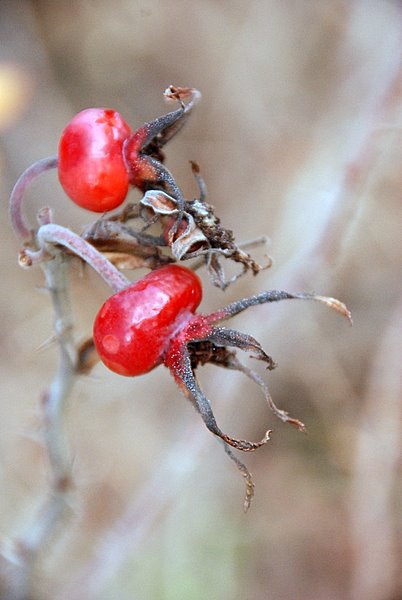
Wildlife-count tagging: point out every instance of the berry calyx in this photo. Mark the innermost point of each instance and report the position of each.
(92, 170)
(134, 327)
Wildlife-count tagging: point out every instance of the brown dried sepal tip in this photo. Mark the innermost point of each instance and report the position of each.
(173, 92)
(336, 305)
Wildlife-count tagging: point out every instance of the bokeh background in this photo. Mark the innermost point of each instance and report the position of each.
(299, 137)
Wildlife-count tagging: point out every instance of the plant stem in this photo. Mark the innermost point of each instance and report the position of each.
(18, 222)
(50, 236)
(54, 507)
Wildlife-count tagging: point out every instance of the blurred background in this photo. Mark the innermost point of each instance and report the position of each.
(298, 136)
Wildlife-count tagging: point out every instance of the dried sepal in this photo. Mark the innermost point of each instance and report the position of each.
(215, 350)
(159, 202)
(249, 495)
(276, 296)
(178, 360)
(180, 94)
(188, 238)
(283, 415)
(188, 242)
(221, 336)
(199, 234)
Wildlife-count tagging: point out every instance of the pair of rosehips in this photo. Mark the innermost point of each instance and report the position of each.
(153, 320)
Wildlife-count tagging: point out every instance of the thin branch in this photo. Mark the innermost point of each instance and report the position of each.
(51, 235)
(55, 264)
(39, 534)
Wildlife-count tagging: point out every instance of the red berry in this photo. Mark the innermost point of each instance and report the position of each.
(134, 328)
(91, 166)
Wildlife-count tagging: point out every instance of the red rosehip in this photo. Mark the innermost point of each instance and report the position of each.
(91, 165)
(153, 321)
(134, 327)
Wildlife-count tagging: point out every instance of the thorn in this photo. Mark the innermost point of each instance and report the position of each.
(46, 343)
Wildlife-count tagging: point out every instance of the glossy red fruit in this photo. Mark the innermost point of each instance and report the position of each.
(134, 327)
(91, 166)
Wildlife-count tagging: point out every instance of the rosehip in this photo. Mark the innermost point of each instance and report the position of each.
(133, 329)
(91, 165)
(152, 322)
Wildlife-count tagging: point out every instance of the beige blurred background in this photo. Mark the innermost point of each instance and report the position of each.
(299, 137)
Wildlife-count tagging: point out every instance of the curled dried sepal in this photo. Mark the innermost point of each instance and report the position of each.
(179, 362)
(220, 238)
(215, 350)
(188, 238)
(278, 412)
(159, 202)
